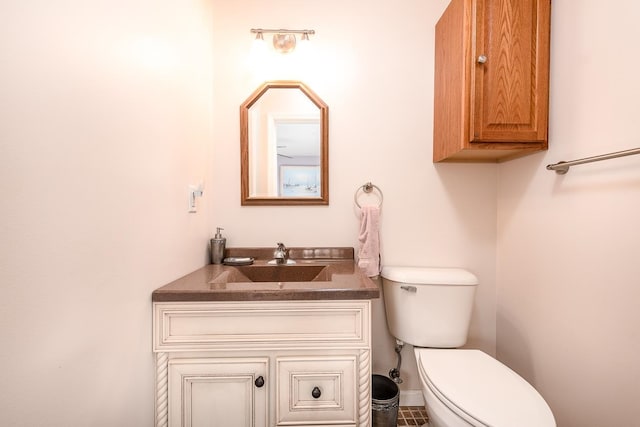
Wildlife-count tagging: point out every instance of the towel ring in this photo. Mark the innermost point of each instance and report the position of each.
(367, 188)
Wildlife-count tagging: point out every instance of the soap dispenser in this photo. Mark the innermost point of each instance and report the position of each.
(217, 247)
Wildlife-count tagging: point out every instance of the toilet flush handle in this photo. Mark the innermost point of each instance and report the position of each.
(409, 288)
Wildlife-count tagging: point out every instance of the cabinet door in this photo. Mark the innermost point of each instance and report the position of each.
(218, 392)
(510, 60)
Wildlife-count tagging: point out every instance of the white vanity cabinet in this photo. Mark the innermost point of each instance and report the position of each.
(263, 363)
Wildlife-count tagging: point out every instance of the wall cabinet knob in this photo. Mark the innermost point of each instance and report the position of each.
(482, 59)
(316, 393)
(259, 381)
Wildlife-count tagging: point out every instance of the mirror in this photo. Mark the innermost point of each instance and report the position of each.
(284, 146)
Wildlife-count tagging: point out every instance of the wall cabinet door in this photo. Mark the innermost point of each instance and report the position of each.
(218, 392)
(491, 80)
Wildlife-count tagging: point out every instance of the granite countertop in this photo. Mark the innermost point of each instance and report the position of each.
(335, 277)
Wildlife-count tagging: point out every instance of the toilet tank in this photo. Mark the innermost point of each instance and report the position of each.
(428, 307)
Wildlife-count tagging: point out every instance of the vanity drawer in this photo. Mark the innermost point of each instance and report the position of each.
(316, 390)
(193, 326)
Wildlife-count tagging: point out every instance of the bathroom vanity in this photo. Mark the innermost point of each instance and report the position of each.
(266, 345)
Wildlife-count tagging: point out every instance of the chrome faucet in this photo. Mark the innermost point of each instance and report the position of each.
(281, 254)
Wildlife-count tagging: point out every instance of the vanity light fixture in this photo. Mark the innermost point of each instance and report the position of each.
(284, 41)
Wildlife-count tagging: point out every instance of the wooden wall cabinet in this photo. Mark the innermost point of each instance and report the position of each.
(491, 80)
(263, 363)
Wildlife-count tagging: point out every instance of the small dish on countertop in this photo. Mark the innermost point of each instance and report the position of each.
(238, 261)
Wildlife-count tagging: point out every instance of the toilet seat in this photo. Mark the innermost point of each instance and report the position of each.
(481, 390)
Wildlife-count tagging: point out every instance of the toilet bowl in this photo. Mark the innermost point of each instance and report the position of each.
(430, 308)
(469, 387)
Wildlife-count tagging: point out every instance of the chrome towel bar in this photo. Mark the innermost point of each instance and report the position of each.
(563, 167)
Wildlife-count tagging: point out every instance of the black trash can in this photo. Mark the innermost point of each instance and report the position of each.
(384, 401)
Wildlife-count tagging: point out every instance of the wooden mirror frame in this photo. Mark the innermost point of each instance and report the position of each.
(245, 197)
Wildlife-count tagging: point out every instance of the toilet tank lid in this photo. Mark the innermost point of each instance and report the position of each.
(429, 275)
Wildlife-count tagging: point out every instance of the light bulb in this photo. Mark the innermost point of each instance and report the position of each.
(258, 50)
(284, 42)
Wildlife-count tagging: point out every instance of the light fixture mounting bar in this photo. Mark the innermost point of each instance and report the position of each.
(281, 31)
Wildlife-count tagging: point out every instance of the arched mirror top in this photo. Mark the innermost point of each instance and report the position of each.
(284, 146)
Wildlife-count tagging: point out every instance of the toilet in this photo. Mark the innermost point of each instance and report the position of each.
(430, 308)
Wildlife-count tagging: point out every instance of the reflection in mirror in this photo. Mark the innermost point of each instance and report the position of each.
(284, 146)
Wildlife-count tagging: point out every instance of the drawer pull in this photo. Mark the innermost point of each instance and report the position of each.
(316, 393)
(259, 381)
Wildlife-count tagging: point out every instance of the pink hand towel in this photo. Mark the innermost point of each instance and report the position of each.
(369, 253)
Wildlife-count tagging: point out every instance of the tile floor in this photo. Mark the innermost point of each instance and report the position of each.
(412, 416)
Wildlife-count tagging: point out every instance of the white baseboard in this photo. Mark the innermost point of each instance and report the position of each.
(411, 398)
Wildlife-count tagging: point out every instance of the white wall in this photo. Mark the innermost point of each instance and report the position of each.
(568, 245)
(106, 115)
(372, 63)
(104, 122)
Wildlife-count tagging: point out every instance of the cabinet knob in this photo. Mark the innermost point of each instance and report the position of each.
(482, 59)
(316, 393)
(259, 381)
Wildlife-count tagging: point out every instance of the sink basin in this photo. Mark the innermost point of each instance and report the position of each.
(273, 273)
(284, 273)
(304, 265)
